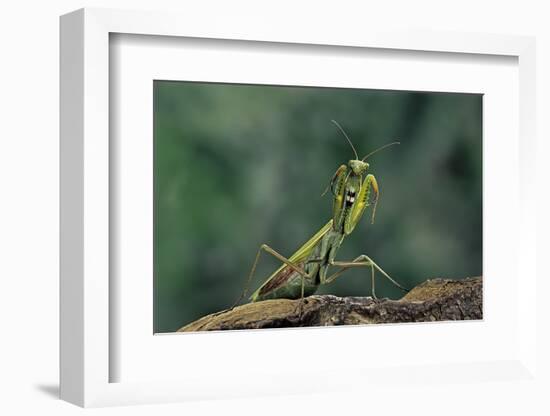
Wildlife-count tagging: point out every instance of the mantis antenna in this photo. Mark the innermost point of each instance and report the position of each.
(380, 148)
(346, 136)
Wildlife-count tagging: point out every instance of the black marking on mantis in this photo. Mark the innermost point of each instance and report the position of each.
(304, 271)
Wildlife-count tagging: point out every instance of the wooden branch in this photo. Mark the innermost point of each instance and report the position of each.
(433, 300)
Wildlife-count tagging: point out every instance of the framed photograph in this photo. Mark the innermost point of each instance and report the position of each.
(229, 169)
(256, 213)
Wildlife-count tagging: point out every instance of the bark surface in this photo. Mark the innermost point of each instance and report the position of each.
(433, 300)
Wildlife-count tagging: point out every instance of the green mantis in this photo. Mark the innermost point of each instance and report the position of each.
(303, 272)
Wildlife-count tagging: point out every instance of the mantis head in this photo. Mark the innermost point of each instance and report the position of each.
(358, 167)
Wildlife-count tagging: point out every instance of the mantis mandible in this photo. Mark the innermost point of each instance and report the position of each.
(303, 272)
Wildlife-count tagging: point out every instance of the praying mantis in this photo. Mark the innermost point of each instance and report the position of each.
(301, 274)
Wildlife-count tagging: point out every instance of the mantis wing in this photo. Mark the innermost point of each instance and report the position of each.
(298, 257)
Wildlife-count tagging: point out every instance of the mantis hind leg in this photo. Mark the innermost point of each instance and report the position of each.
(280, 257)
(362, 261)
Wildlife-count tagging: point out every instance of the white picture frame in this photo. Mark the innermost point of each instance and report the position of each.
(87, 304)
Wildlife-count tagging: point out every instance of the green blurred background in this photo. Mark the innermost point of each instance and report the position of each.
(241, 165)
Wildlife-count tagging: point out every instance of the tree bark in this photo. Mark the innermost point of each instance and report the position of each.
(433, 300)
